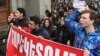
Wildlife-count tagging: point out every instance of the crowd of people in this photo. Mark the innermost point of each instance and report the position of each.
(63, 24)
(51, 26)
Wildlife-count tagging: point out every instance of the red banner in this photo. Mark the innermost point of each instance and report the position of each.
(21, 43)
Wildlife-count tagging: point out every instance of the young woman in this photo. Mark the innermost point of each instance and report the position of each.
(47, 24)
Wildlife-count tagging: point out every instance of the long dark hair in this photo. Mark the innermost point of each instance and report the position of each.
(50, 23)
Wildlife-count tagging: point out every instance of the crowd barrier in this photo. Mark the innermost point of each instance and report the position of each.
(21, 43)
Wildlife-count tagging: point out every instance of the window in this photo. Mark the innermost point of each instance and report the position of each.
(2, 3)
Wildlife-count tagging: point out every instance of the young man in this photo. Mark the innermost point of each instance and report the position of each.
(21, 19)
(36, 28)
(85, 34)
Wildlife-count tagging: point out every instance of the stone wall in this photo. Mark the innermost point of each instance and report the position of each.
(32, 7)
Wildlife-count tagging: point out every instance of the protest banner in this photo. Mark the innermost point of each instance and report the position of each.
(77, 4)
(21, 43)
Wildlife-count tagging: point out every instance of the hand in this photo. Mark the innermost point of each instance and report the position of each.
(9, 18)
(62, 22)
(84, 8)
(68, 42)
(20, 28)
(86, 53)
(40, 37)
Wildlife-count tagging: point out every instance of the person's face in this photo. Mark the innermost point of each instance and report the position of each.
(55, 15)
(85, 20)
(46, 23)
(11, 15)
(18, 14)
(32, 25)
